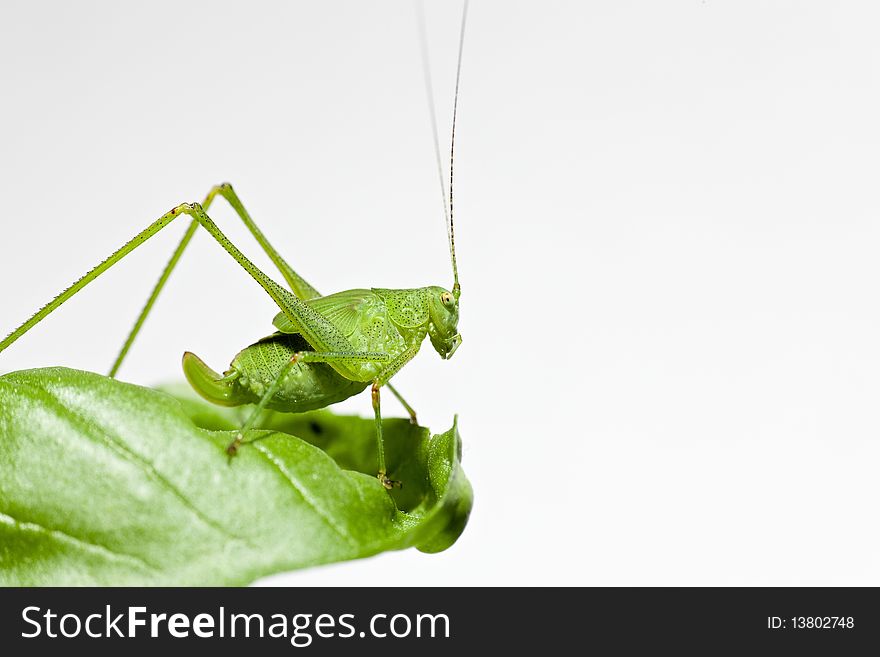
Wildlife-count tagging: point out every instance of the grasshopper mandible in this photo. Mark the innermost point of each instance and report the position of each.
(326, 348)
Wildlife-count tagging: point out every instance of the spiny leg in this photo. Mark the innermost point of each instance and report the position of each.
(91, 275)
(316, 329)
(300, 286)
(166, 273)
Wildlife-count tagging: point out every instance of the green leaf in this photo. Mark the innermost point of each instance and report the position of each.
(107, 483)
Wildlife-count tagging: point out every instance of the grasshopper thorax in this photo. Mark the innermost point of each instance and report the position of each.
(443, 322)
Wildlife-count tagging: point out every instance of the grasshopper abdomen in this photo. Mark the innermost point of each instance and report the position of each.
(305, 387)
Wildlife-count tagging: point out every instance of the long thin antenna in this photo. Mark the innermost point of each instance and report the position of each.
(447, 210)
(456, 288)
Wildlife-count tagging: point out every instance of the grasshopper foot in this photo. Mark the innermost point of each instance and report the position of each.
(388, 483)
(232, 448)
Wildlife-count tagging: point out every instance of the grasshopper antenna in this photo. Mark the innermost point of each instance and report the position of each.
(456, 288)
(447, 210)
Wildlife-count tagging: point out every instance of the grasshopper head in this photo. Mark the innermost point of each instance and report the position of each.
(443, 326)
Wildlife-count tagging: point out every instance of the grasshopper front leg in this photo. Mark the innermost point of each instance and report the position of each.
(392, 369)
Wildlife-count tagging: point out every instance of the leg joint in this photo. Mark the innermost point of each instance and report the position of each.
(186, 208)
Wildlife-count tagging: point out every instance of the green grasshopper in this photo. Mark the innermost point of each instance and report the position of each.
(326, 348)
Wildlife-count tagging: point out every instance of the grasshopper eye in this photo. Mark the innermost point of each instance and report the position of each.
(446, 298)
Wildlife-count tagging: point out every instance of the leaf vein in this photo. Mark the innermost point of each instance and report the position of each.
(149, 469)
(89, 546)
(307, 498)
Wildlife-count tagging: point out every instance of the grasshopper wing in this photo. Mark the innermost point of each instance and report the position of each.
(342, 309)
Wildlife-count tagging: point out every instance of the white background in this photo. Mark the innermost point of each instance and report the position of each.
(668, 232)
